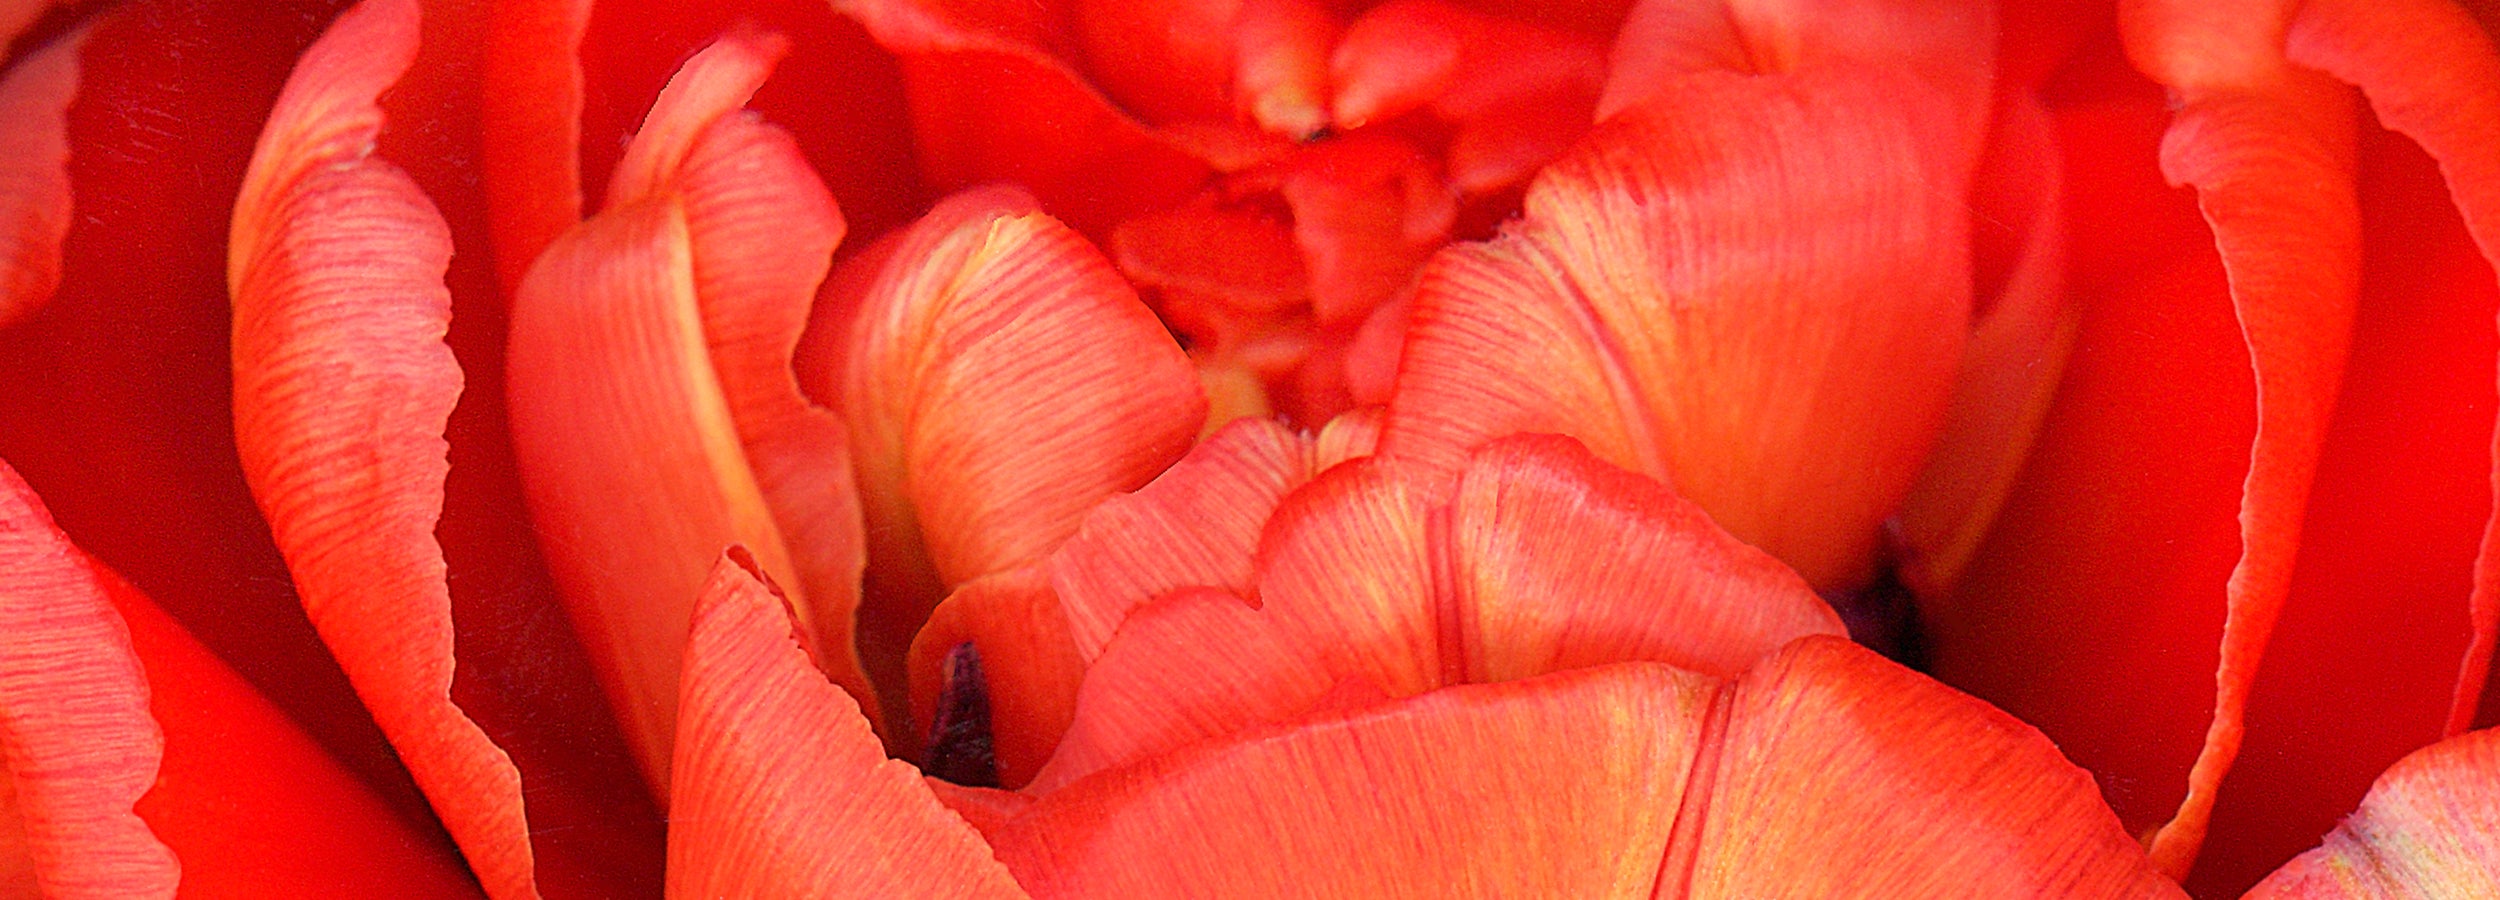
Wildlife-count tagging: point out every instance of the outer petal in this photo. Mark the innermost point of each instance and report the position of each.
(782, 789)
(343, 387)
(1196, 524)
(1563, 787)
(1002, 381)
(2427, 829)
(1691, 283)
(34, 172)
(75, 734)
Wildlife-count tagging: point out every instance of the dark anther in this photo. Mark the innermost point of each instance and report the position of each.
(1319, 134)
(961, 749)
(1883, 617)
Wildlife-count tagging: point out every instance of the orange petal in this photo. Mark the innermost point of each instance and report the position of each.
(761, 230)
(1367, 210)
(1196, 663)
(1841, 774)
(34, 172)
(342, 390)
(782, 790)
(1002, 381)
(626, 448)
(1028, 662)
(1563, 787)
(2431, 73)
(1667, 305)
(2270, 152)
(1561, 561)
(1517, 93)
(2427, 829)
(1195, 525)
(74, 720)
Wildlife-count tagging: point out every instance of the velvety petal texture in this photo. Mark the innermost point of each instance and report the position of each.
(1707, 299)
(1002, 380)
(1368, 582)
(342, 389)
(1619, 781)
(2430, 827)
(782, 789)
(75, 733)
(635, 453)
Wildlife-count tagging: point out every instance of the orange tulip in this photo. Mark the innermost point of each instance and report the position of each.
(1262, 446)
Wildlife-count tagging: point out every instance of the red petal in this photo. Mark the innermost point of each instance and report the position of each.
(1367, 210)
(782, 790)
(1195, 525)
(989, 103)
(117, 392)
(1841, 774)
(1689, 321)
(762, 232)
(34, 172)
(2431, 73)
(2270, 152)
(337, 264)
(80, 746)
(1029, 665)
(250, 804)
(2425, 830)
(1562, 561)
(1002, 381)
(1562, 787)
(1195, 664)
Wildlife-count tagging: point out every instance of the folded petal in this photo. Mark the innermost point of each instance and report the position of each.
(1002, 380)
(117, 392)
(1841, 774)
(1719, 299)
(1195, 525)
(34, 173)
(1563, 787)
(343, 387)
(783, 791)
(2425, 830)
(75, 734)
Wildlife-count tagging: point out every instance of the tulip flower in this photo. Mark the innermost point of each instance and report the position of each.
(1268, 447)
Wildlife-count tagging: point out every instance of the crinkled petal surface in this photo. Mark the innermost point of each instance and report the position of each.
(34, 173)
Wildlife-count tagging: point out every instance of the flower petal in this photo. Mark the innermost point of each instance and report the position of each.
(342, 390)
(34, 173)
(532, 128)
(126, 371)
(1195, 525)
(1002, 381)
(80, 746)
(1718, 300)
(761, 231)
(1841, 774)
(1030, 666)
(1562, 787)
(2270, 152)
(782, 790)
(2431, 73)
(2426, 829)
